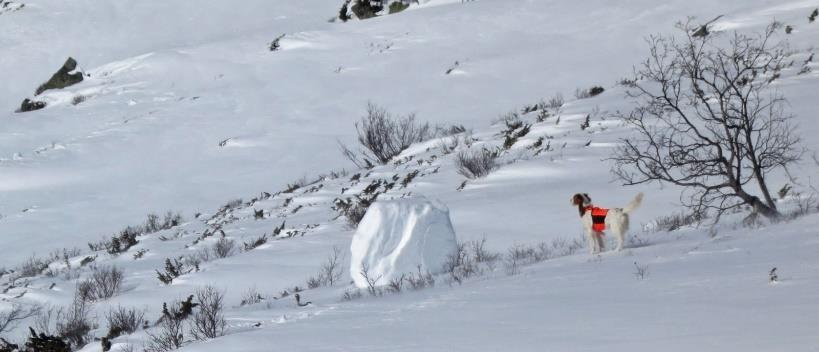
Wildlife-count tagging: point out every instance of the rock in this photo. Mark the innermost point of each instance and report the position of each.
(62, 78)
(31, 105)
(397, 236)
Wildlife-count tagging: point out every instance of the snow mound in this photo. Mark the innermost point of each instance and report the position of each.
(397, 236)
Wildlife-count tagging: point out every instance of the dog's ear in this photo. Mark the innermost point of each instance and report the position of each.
(587, 198)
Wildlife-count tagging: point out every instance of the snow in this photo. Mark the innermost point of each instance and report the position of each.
(400, 237)
(171, 81)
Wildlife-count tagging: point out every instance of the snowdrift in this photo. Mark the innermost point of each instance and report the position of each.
(397, 236)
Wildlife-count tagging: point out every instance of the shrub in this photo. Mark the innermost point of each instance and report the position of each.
(354, 209)
(33, 266)
(556, 102)
(74, 322)
(478, 164)
(330, 272)
(591, 92)
(41, 343)
(168, 336)
(10, 318)
(223, 248)
(383, 136)
(255, 243)
(172, 271)
(250, 297)
(103, 283)
(677, 220)
(123, 321)
(209, 320)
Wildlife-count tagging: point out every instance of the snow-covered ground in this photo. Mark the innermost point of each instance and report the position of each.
(186, 109)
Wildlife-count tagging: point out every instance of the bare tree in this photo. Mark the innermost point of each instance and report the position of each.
(708, 121)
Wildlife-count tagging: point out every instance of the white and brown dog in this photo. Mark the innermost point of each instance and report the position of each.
(595, 220)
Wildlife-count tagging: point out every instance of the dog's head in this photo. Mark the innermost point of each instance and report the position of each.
(581, 199)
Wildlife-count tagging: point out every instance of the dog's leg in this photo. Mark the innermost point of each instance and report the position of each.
(620, 239)
(593, 248)
(601, 244)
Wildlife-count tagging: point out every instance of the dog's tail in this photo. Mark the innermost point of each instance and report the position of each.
(634, 204)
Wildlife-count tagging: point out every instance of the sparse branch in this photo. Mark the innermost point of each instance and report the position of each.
(707, 121)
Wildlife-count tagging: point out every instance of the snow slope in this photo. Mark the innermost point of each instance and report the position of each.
(187, 109)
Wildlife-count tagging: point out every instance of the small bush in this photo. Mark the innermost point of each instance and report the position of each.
(173, 269)
(251, 297)
(640, 271)
(354, 209)
(677, 221)
(556, 102)
(591, 92)
(17, 313)
(123, 321)
(258, 241)
(223, 248)
(383, 136)
(74, 322)
(473, 165)
(41, 342)
(103, 283)
(209, 320)
(33, 266)
(331, 271)
(168, 336)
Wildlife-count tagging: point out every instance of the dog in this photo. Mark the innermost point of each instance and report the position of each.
(596, 220)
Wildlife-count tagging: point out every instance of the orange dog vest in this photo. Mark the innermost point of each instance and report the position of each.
(598, 218)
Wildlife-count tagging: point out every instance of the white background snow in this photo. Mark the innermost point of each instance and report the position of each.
(171, 80)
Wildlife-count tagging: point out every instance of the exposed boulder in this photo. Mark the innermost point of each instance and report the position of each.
(64, 77)
(31, 105)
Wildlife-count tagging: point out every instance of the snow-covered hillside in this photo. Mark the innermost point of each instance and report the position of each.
(185, 108)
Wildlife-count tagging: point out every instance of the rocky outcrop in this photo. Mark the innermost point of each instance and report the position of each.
(64, 77)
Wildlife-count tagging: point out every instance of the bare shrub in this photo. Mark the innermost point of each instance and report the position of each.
(173, 269)
(476, 164)
(354, 209)
(103, 283)
(167, 336)
(351, 294)
(677, 221)
(331, 270)
(372, 282)
(123, 321)
(10, 318)
(588, 93)
(383, 136)
(250, 297)
(255, 243)
(33, 266)
(396, 285)
(640, 271)
(556, 102)
(420, 280)
(708, 122)
(209, 320)
(223, 248)
(74, 323)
